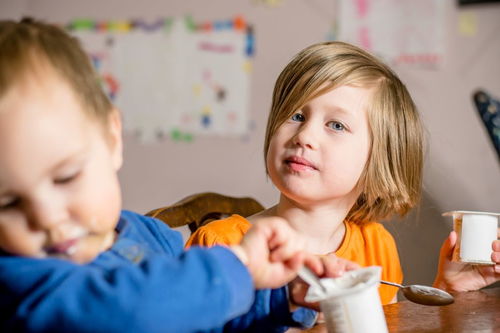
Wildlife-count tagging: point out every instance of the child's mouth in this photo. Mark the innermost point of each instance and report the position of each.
(299, 164)
(64, 248)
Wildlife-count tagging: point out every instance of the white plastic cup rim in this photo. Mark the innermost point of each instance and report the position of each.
(459, 213)
(352, 282)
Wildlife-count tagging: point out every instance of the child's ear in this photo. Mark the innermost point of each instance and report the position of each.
(115, 138)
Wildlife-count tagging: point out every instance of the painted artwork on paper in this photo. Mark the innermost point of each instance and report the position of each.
(398, 31)
(174, 78)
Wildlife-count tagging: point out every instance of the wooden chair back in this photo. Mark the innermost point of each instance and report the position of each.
(199, 209)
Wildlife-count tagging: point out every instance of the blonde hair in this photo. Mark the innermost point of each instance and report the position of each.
(29, 44)
(392, 178)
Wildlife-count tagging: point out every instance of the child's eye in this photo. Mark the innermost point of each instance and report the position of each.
(298, 117)
(9, 203)
(66, 179)
(337, 126)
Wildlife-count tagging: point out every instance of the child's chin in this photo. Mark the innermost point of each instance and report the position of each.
(76, 257)
(83, 258)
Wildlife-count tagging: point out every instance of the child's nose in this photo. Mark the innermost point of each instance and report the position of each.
(307, 136)
(46, 215)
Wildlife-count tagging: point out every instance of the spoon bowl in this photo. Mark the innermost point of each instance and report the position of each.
(424, 295)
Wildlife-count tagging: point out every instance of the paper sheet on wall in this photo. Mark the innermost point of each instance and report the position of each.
(175, 81)
(398, 31)
(218, 79)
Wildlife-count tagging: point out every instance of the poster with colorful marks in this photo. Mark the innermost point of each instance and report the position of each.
(174, 78)
(399, 31)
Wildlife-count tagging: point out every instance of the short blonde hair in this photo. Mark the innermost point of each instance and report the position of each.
(28, 44)
(392, 178)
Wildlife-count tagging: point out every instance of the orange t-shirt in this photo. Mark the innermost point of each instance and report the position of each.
(369, 244)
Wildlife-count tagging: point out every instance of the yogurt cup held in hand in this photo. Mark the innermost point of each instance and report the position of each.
(351, 302)
(475, 233)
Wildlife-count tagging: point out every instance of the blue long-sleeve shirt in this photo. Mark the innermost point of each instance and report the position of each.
(144, 283)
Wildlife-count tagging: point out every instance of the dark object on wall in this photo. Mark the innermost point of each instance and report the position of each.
(473, 2)
(489, 110)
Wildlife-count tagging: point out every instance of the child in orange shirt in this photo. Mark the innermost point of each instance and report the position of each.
(344, 146)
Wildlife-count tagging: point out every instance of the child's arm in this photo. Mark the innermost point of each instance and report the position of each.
(455, 276)
(200, 290)
(156, 292)
(273, 253)
(270, 310)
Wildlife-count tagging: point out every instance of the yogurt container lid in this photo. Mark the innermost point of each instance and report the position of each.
(351, 282)
(459, 213)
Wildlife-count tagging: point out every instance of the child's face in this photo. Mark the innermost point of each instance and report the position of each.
(318, 155)
(59, 192)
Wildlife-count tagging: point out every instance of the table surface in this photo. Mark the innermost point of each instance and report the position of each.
(474, 311)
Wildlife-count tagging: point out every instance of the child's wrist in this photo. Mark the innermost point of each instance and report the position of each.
(240, 253)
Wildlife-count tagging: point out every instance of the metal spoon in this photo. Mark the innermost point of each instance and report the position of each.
(416, 293)
(423, 294)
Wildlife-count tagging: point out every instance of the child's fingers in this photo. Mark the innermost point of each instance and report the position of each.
(277, 234)
(448, 245)
(285, 245)
(496, 245)
(280, 233)
(335, 266)
(286, 250)
(281, 236)
(295, 262)
(314, 263)
(351, 265)
(495, 256)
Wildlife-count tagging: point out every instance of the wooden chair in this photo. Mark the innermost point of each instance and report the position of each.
(199, 209)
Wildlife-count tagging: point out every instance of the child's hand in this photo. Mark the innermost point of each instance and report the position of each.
(331, 266)
(272, 252)
(456, 276)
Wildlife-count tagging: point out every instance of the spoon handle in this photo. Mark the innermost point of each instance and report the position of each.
(391, 284)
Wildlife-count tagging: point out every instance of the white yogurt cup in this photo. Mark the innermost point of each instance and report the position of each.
(476, 231)
(351, 302)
